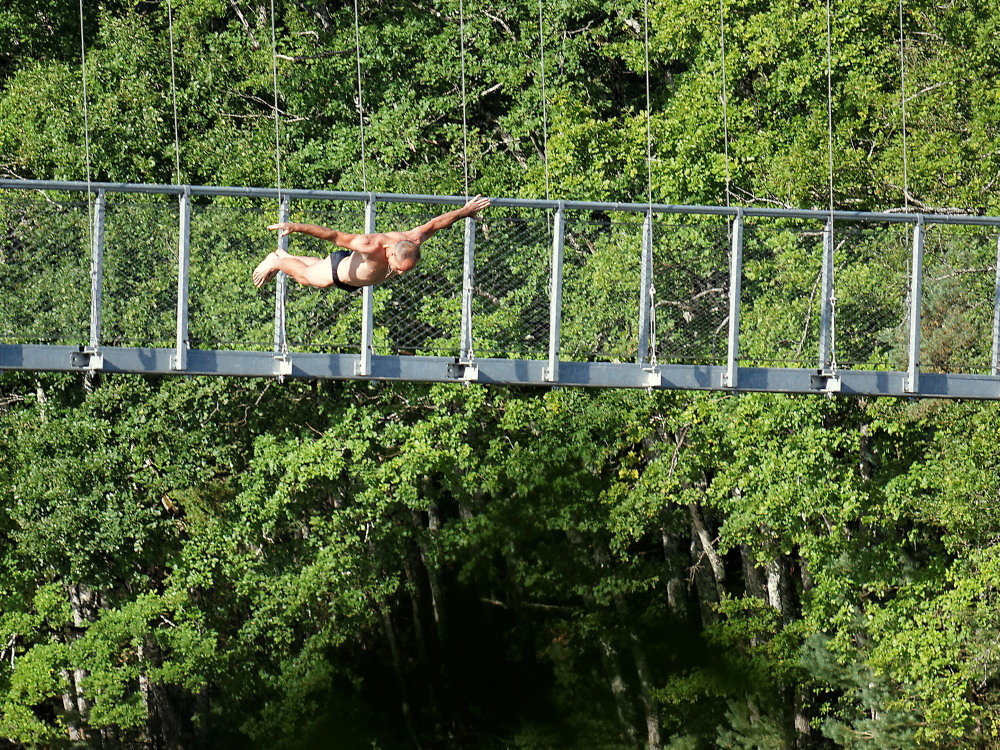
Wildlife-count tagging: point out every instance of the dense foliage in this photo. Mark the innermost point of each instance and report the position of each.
(227, 563)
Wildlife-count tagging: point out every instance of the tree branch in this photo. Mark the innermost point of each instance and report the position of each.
(246, 24)
(318, 56)
(924, 207)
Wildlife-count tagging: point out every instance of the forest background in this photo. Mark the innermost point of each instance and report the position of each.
(247, 563)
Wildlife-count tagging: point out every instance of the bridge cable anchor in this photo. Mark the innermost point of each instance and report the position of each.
(88, 358)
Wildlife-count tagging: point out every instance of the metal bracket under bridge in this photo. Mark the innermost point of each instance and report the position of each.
(156, 279)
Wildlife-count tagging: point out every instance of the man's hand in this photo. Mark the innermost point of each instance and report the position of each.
(475, 205)
(286, 228)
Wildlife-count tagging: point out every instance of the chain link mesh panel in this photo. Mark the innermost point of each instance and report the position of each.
(510, 303)
(871, 286)
(691, 289)
(602, 267)
(317, 320)
(228, 239)
(959, 285)
(139, 299)
(780, 297)
(44, 269)
(45, 283)
(421, 312)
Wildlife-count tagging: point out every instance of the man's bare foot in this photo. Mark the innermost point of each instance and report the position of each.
(265, 270)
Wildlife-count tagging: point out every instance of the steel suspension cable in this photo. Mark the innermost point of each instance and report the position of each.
(173, 92)
(725, 111)
(545, 113)
(902, 105)
(277, 129)
(465, 125)
(86, 113)
(829, 102)
(649, 137)
(361, 104)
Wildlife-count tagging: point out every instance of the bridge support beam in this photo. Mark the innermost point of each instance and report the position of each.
(730, 378)
(179, 361)
(555, 297)
(364, 362)
(466, 355)
(281, 298)
(912, 382)
(91, 355)
(827, 354)
(647, 312)
(995, 358)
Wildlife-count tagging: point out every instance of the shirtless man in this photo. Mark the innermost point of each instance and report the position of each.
(367, 259)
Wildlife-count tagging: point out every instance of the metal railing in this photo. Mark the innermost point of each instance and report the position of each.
(542, 281)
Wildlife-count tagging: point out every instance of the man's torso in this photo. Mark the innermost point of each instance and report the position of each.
(371, 266)
(361, 270)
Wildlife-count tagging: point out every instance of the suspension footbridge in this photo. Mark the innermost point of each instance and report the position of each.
(155, 279)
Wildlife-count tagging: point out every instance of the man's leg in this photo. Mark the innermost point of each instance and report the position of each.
(306, 270)
(307, 259)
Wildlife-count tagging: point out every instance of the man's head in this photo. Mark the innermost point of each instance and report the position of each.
(403, 256)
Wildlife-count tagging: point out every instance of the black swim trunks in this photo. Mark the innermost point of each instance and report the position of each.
(335, 259)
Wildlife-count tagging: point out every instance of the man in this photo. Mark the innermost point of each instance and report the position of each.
(367, 259)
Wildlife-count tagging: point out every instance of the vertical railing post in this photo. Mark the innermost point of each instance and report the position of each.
(551, 373)
(364, 365)
(911, 384)
(730, 378)
(179, 360)
(97, 273)
(466, 355)
(995, 359)
(645, 289)
(281, 290)
(826, 310)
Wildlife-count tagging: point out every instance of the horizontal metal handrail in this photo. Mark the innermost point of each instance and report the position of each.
(660, 208)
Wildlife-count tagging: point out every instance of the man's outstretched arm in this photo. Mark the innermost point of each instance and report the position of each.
(342, 239)
(473, 207)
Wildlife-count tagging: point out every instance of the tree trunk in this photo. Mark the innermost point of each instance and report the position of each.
(602, 557)
(73, 727)
(704, 586)
(429, 674)
(753, 582)
(171, 722)
(43, 400)
(165, 722)
(611, 662)
(781, 588)
(610, 659)
(801, 721)
(676, 586)
(399, 668)
(708, 577)
(804, 574)
(434, 580)
(145, 690)
(81, 600)
(866, 458)
(645, 676)
(772, 569)
(781, 596)
(708, 548)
